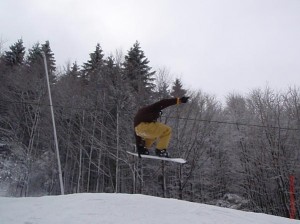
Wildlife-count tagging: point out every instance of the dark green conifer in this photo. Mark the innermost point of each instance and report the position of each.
(16, 54)
(138, 73)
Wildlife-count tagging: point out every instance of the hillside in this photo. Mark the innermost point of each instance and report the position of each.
(122, 208)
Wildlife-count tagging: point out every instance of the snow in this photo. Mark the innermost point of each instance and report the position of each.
(122, 208)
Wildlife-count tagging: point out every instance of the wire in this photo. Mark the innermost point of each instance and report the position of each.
(47, 105)
(181, 118)
(237, 123)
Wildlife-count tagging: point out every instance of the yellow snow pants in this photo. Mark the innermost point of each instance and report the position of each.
(152, 132)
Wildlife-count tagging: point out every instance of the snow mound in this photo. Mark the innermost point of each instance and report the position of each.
(122, 208)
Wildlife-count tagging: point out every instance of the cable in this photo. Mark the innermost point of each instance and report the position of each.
(47, 105)
(181, 118)
(237, 123)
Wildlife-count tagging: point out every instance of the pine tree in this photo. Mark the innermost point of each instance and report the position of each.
(138, 73)
(74, 71)
(92, 68)
(34, 55)
(16, 54)
(35, 61)
(112, 71)
(177, 90)
(96, 60)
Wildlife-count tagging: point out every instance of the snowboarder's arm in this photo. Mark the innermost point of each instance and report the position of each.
(162, 104)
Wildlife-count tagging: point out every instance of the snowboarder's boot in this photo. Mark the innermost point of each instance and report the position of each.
(161, 153)
(143, 151)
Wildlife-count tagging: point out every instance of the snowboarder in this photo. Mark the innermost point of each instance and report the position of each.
(148, 129)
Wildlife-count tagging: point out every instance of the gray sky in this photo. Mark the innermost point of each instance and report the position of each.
(218, 46)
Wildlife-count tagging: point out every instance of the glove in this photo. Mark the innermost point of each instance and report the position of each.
(184, 99)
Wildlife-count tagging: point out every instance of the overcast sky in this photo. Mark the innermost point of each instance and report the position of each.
(218, 46)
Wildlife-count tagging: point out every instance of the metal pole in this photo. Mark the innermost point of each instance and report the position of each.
(54, 127)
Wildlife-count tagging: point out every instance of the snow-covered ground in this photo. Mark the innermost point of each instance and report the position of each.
(122, 208)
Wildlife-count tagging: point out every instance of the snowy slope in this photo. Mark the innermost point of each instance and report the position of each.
(122, 208)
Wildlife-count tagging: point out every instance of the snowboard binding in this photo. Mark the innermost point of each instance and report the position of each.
(161, 153)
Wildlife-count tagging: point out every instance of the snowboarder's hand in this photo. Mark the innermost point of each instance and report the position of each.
(184, 99)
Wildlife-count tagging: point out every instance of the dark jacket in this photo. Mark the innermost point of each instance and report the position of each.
(150, 114)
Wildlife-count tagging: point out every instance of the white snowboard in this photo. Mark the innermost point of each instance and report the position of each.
(176, 160)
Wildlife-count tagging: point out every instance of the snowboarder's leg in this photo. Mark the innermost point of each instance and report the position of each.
(142, 149)
(155, 130)
(164, 136)
(149, 143)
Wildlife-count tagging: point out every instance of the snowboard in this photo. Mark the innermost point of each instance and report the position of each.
(176, 160)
